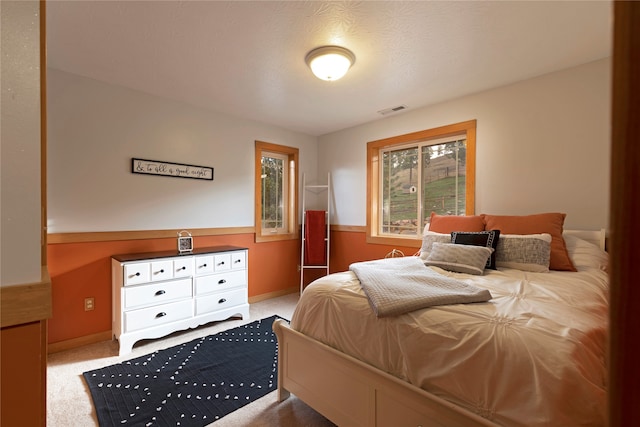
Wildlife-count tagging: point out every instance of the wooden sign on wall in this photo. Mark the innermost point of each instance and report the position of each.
(178, 170)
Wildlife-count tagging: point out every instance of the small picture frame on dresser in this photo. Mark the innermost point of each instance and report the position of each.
(185, 242)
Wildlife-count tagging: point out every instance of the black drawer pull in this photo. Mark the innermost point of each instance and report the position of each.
(222, 282)
(221, 263)
(160, 292)
(162, 271)
(203, 265)
(183, 268)
(138, 273)
(222, 300)
(161, 314)
(237, 261)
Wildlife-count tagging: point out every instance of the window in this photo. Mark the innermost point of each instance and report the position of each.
(276, 198)
(409, 176)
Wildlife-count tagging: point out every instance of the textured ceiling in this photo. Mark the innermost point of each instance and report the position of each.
(246, 58)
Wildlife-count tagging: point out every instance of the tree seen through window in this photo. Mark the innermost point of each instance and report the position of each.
(419, 179)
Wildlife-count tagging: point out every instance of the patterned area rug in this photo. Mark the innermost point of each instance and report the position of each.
(192, 384)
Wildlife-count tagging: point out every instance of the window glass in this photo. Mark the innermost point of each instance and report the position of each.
(418, 180)
(400, 178)
(274, 192)
(444, 179)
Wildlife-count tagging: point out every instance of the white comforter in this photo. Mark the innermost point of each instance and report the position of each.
(532, 356)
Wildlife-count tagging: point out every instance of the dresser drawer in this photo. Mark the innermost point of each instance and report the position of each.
(204, 264)
(157, 315)
(135, 273)
(219, 282)
(156, 293)
(222, 262)
(220, 300)
(238, 260)
(183, 267)
(161, 270)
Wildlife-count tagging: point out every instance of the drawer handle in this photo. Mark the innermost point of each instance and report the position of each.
(221, 263)
(222, 281)
(237, 261)
(160, 292)
(222, 300)
(161, 271)
(203, 265)
(138, 273)
(183, 268)
(161, 314)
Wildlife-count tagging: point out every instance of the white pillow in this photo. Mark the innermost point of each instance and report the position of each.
(429, 238)
(528, 252)
(459, 258)
(584, 254)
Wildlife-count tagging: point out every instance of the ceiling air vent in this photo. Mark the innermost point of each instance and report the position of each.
(393, 110)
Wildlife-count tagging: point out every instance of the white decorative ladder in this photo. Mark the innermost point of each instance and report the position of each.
(316, 189)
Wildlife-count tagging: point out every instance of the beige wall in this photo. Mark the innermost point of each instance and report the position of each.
(542, 145)
(20, 202)
(96, 128)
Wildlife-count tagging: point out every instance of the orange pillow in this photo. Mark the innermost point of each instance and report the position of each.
(449, 223)
(551, 223)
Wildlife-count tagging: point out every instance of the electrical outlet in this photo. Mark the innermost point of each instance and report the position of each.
(89, 304)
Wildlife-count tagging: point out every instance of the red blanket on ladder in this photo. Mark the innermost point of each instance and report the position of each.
(315, 244)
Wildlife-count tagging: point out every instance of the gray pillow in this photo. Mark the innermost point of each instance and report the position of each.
(527, 252)
(429, 238)
(459, 258)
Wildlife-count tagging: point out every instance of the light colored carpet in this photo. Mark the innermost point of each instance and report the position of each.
(69, 400)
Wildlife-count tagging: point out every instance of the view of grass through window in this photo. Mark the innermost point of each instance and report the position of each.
(418, 180)
(273, 191)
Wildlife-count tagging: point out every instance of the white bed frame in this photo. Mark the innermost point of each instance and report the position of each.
(351, 393)
(598, 238)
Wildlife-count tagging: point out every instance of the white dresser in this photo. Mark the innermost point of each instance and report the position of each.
(157, 293)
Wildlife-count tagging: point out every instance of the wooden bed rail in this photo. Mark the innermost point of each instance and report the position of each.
(352, 393)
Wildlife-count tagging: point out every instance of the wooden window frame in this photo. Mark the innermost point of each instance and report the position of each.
(292, 208)
(466, 129)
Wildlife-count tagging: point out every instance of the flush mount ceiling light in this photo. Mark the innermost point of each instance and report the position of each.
(330, 62)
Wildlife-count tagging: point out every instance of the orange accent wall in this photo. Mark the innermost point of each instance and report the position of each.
(349, 247)
(83, 270)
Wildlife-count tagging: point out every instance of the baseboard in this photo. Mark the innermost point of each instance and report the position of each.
(78, 342)
(107, 335)
(275, 294)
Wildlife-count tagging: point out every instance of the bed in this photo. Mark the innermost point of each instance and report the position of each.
(533, 355)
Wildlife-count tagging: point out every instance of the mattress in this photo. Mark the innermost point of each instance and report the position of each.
(534, 355)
